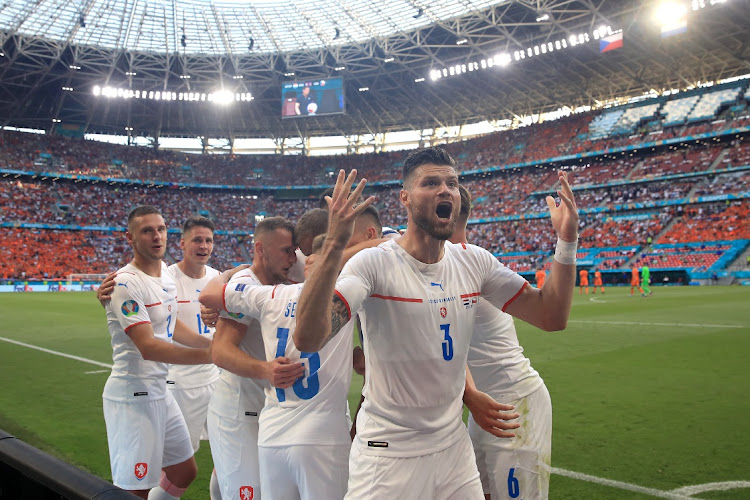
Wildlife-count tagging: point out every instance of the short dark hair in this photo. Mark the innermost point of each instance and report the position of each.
(270, 224)
(432, 155)
(198, 221)
(142, 210)
(312, 223)
(372, 213)
(466, 205)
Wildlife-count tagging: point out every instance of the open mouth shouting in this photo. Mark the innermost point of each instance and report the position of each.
(444, 210)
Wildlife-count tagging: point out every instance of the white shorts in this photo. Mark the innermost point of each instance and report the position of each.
(304, 472)
(194, 405)
(234, 448)
(518, 467)
(450, 474)
(144, 438)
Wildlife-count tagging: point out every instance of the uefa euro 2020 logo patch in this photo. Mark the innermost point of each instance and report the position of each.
(236, 315)
(129, 307)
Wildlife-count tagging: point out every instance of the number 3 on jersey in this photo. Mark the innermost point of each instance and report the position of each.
(313, 358)
(447, 342)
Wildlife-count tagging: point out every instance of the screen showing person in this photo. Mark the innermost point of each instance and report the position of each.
(312, 98)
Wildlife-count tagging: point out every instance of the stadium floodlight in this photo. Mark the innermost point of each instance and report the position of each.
(129, 129)
(364, 89)
(97, 90)
(667, 12)
(74, 66)
(289, 73)
(56, 120)
(389, 59)
(418, 80)
(339, 68)
(185, 77)
(237, 77)
(68, 89)
(223, 97)
(130, 73)
(2, 54)
(543, 17)
(462, 41)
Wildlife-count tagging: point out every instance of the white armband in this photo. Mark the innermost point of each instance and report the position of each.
(565, 251)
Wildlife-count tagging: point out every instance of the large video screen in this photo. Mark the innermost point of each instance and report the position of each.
(312, 97)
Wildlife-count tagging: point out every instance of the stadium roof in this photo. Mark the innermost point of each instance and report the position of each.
(54, 53)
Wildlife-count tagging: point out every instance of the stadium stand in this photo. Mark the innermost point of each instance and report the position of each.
(632, 190)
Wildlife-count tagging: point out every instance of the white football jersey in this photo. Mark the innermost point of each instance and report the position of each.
(236, 397)
(389, 232)
(297, 272)
(189, 312)
(418, 320)
(496, 358)
(313, 410)
(137, 299)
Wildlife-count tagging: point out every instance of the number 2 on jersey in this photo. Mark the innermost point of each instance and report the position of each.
(313, 358)
(447, 343)
(202, 327)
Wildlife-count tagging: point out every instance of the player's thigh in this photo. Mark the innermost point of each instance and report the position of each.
(234, 448)
(456, 476)
(478, 437)
(177, 445)
(276, 474)
(194, 406)
(374, 477)
(520, 467)
(321, 471)
(135, 435)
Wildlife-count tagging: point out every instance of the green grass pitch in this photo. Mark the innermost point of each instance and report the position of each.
(649, 392)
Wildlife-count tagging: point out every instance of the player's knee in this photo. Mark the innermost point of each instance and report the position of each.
(182, 474)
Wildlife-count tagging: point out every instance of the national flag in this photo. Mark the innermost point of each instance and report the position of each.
(610, 42)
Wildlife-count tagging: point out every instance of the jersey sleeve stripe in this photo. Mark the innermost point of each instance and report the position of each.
(348, 308)
(154, 304)
(183, 301)
(136, 324)
(398, 299)
(515, 296)
(273, 292)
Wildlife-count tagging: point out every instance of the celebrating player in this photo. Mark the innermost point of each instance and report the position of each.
(518, 467)
(417, 298)
(149, 442)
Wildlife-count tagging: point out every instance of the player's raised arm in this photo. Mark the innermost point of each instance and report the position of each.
(548, 308)
(320, 314)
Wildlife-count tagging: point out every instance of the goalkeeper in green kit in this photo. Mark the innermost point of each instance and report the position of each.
(645, 280)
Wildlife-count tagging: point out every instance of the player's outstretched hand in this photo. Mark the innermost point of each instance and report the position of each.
(282, 373)
(341, 209)
(104, 292)
(209, 316)
(564, 216)
(492, 416)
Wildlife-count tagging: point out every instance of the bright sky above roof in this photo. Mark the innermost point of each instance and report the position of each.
(224, 26)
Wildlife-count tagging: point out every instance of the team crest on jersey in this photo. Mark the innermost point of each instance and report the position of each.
(443, 312)
(246, 493)
(236, 315)
(129, 307)
(140, 471)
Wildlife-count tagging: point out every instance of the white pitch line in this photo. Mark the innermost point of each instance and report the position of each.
(57, 353)
(96, 371)
(620, 485)
(702, 488)
(639, 323)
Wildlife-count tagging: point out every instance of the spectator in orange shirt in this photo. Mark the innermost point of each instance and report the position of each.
(584, 281)
(540, 275)
(598, 280)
